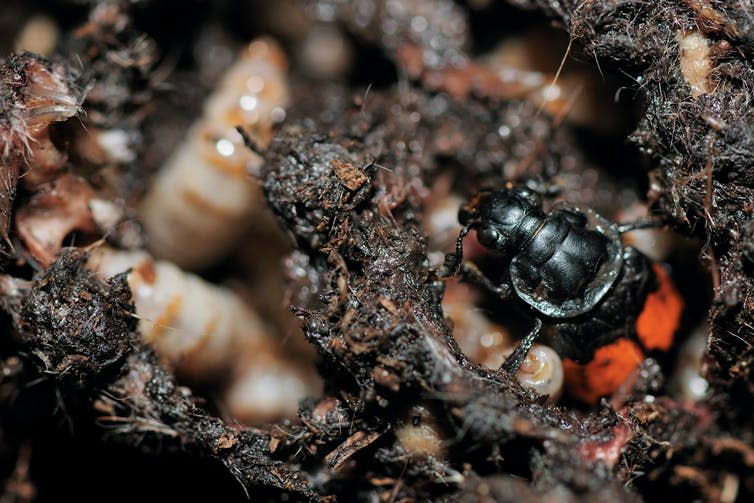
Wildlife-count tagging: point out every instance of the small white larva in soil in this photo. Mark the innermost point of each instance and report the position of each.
(542, 371)
(325, 52)
(441, 221)
(479, 338)
(268, 387)
(208, 333)
(39, 35)
(695, 61)
(420, 435)
(528, 64)
(655, 243)
(687, 382)
(204, 189)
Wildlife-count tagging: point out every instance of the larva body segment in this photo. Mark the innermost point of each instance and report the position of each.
(204, 189)
(268, 386)
(542, 371)
(208, 333)
(482, 340)
(688, 381)
(191, 323)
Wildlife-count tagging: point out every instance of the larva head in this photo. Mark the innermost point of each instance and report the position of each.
(254, 92)
(267, 50)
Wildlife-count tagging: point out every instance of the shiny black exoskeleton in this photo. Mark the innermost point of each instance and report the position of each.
(562, 263)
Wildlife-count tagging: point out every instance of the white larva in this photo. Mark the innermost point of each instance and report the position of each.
(687, 381)
(39, 35)
(324, 52)
(204, 188)
(529, 66)
(655, 243)
(542, 371)
(420, 435)
(490, 344)
(695, 62)
(208, 333)
(441, 220)
(480, 339)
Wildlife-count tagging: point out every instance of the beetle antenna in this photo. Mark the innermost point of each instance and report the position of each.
(452, 264)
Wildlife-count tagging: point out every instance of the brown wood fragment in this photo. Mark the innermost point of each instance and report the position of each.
(351, 446)
(227, 441)
(350, 176)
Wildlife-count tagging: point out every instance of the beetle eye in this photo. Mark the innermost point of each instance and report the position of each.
(466, 213)
(488, 237)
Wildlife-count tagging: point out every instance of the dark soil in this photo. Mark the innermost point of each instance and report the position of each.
(87, 411)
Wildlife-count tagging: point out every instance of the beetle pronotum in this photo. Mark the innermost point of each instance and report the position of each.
(204, 188)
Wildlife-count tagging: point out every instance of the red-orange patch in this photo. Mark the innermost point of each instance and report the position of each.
(611, 365)
(661, 315)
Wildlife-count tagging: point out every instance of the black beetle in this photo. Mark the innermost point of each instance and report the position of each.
(569, 265)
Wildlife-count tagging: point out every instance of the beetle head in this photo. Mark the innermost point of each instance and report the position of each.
(499, 217)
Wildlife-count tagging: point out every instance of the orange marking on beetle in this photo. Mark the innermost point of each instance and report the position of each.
(611, 365)
(661, 315)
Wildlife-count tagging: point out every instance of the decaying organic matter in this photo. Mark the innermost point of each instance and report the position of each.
(80, 331)
(364, 173)
(34, 93)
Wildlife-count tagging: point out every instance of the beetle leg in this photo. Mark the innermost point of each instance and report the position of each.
(450, 266)
(453, 261)
(516, 358)
(640, 224)
(473, 275)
